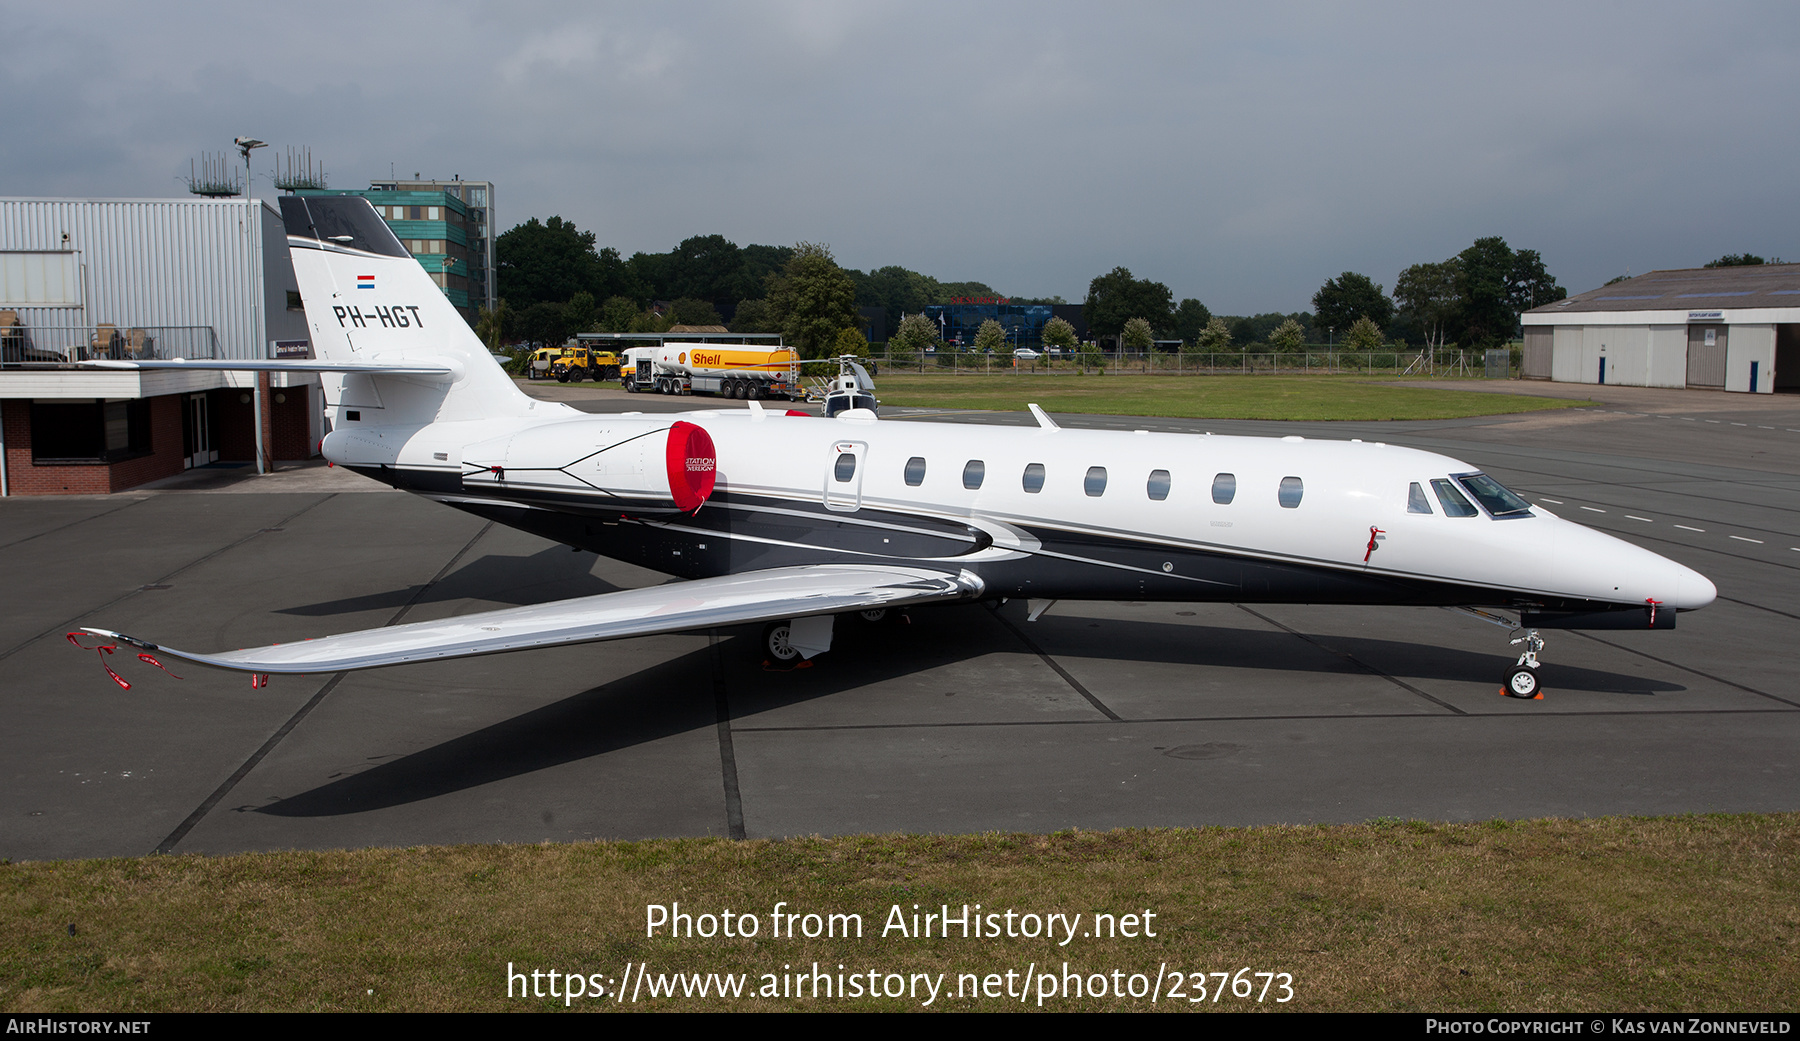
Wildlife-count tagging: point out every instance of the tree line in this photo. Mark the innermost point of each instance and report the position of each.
(554, 280)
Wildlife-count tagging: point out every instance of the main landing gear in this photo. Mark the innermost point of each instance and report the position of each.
(778, 644)
(794, 642)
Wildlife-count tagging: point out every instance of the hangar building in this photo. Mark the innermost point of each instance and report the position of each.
(85, 279)
(1724, 328)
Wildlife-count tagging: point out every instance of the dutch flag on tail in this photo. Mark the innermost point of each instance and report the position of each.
(365, 281)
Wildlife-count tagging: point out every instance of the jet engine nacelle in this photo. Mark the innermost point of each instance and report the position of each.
(625, 462)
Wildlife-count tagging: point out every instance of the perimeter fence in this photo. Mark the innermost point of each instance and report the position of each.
(1501, 363)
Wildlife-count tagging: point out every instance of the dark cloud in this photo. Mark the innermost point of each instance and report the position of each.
(1238, 155)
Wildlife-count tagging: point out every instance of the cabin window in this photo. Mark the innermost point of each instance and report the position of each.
(1158, 488)
(973, 473)
(915, 471)
(1416, 501)
(1291, 490)
(1224, 488)
(1034, 477)
(844, 468)
(1095, 482)
(1452, 500)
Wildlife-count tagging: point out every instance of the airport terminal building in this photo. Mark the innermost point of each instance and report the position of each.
(122, 279)
(1726, 328)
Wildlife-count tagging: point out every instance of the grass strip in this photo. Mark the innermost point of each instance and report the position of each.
(1673, 914)
(1207, 397)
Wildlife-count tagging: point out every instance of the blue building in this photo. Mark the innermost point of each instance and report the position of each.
(447, 226)
(959, 320)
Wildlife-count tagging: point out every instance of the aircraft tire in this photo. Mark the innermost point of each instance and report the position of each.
(1522, 682)
(776, 642)
(873, 616)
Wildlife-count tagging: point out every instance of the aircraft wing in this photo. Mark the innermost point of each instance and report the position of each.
(757, 596)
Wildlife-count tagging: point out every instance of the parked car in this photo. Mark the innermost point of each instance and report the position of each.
(1026, 354)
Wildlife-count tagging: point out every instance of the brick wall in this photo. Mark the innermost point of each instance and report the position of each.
(286, 425)
(291, 421)
(24, 478)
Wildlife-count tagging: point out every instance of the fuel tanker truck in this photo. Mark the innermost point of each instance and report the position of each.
(730, 370)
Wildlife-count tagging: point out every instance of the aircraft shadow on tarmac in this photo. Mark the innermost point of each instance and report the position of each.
(678, 696)
(495, 578)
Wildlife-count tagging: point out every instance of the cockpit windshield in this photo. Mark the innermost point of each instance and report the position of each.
(1494, 496)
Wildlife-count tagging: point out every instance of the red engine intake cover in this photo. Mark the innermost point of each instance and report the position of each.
(693, 465)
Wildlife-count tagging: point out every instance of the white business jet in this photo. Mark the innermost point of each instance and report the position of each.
(793, 520)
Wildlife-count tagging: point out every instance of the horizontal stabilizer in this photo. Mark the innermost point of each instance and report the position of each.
(416, 367)
(758, 596)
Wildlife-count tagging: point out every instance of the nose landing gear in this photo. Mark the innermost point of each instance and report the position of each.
(1522, 681)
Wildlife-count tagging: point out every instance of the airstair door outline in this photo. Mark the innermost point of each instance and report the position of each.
(844, 468)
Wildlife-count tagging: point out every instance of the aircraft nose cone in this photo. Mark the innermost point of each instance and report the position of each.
(1692, 589)
(1606, 568)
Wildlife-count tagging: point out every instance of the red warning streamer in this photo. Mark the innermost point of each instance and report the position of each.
(102, 650)
(1374, 534)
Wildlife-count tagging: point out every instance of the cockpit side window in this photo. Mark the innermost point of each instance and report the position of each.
(1452, 500)
(1416, 501)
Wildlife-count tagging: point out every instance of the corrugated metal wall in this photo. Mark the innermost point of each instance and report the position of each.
(1534, 360)
(165, 262)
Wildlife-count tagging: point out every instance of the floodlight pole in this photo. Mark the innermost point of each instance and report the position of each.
(246, 145)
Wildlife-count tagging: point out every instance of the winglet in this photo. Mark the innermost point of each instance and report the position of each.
(1043, 419)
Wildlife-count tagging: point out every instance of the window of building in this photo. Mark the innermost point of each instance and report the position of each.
(973, 473)
(1095, 481)
(915, 471)
(1224, 488)
(1158, 486)
(1290, 493)
(89, 432)
(1416, 501)
(1034, 478)
(293, 301)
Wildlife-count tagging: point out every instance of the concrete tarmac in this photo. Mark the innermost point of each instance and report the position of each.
(1097, 715)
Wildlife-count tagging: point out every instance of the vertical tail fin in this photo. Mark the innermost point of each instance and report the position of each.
(367, 299)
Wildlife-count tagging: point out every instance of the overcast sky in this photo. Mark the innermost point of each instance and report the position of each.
(1238, 154)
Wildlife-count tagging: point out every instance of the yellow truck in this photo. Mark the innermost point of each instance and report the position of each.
(572, 363)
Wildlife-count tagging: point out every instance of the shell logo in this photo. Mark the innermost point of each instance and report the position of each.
(682, 360)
